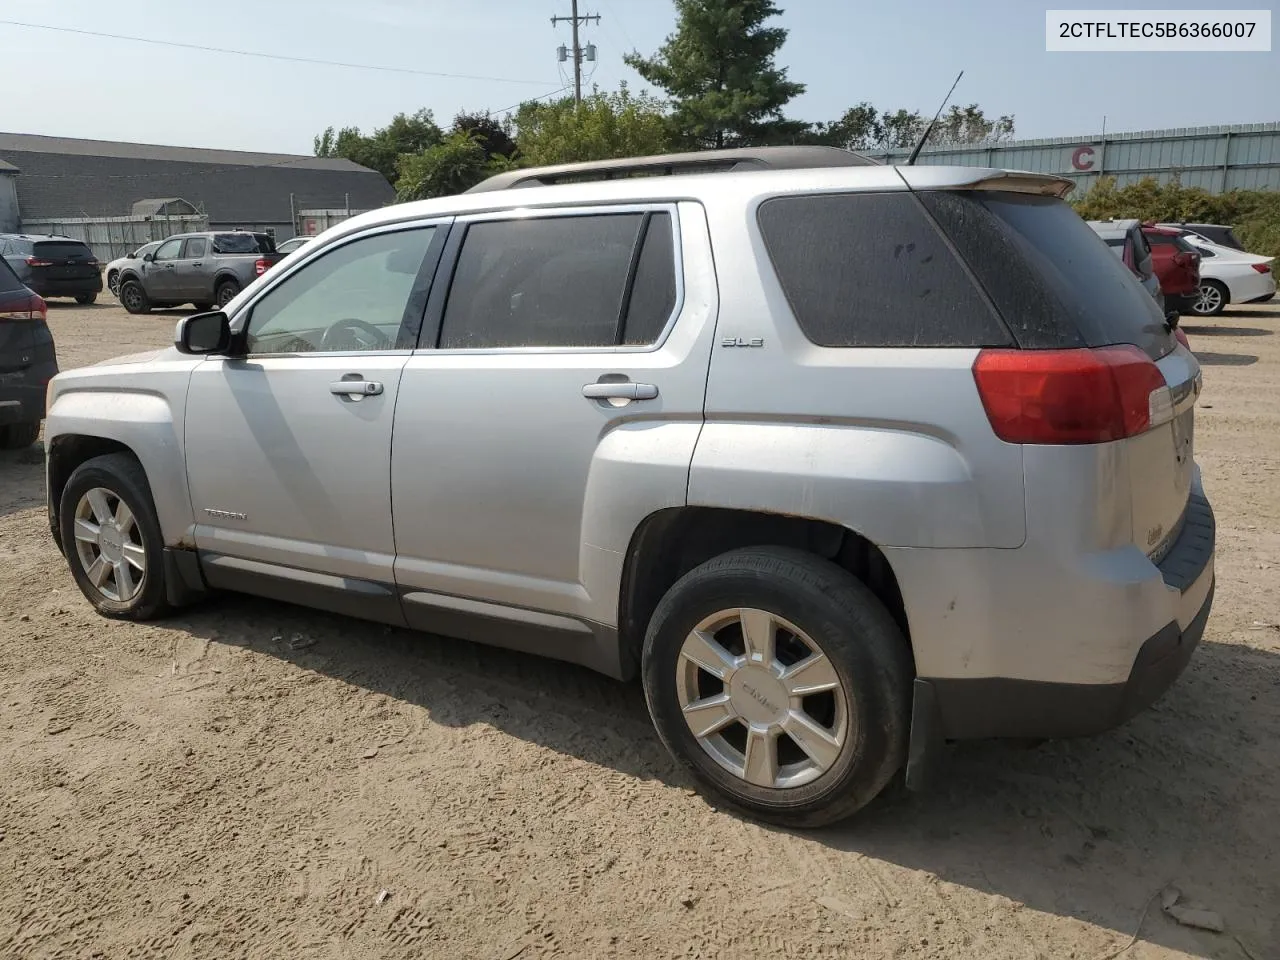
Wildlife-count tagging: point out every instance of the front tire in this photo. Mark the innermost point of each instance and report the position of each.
(782, 683)
(1211, 299)
(111, 538)
(113, 283)
(85, 299)
(19, 436)
(133, 298)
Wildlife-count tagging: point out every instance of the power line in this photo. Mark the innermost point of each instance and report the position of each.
(545, 96)
(271, 56)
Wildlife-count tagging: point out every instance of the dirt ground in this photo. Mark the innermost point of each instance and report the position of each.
(251, 779)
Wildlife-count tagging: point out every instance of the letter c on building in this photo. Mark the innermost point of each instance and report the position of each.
(1082, 158)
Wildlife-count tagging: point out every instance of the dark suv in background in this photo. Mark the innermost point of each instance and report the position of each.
(53, 266)
(27, 361)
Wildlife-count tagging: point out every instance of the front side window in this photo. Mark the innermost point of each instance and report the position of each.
(570, 281)
(355, 297)
(169, 250)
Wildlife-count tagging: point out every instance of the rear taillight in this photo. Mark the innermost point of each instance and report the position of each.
(31, 308)
(37, 262)
(1261, 267)
(1071, 396)
(1181, 337)
(260, 267)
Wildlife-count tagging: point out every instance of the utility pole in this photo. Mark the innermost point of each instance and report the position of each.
(578, 51)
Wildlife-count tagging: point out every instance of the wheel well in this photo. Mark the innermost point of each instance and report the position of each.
(222, 278)
(670, 543)
(66, 453)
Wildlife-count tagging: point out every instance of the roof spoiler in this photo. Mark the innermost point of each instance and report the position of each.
(675, 164)
(1008, 181)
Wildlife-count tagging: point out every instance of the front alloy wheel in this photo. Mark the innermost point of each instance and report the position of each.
(761, 698)
(109, 545)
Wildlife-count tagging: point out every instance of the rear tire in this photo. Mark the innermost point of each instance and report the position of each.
(828, 752)
(19, 436)
(225, 293)
(133, 298)
(110, 496)
(87, 298)
(1211, 299)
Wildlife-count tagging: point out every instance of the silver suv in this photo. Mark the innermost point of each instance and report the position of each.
(844, 462)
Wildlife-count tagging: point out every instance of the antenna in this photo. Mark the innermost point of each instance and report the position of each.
(929, 129)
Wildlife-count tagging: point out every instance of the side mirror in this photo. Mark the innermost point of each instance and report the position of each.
(148, 257)
(203, 333)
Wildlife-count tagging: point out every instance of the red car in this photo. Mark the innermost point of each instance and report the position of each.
(1177, 265)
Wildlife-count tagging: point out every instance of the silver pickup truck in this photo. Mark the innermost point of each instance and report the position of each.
(203, 269)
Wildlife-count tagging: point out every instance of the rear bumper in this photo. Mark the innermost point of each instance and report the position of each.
(1265, 298)
(80, 286)
(22, 401)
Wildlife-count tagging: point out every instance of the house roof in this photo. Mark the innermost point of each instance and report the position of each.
(61, 177)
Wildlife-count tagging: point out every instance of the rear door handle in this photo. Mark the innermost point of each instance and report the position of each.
(626, 390)
(356, 388)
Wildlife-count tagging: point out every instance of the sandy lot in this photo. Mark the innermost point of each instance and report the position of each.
(245, 780)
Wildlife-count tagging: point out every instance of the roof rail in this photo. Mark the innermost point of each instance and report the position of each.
(675, 164)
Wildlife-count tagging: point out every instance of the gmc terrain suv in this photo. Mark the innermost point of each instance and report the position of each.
(203, 269)
(844, 460)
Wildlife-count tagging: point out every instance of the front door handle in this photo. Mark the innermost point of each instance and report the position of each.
(625, 390)
(356, 388)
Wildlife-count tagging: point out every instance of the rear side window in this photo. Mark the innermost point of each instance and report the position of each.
(1050, 278)
(567, 281)
(196, 247)
(62, 250)
(871, 270)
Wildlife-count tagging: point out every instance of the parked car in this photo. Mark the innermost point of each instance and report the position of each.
(1229, 276)
(1127, 241)
(535, 418)
(293, 244)
(115, 267)
(28, 361)
(53, 266)
(1177, 266)
(1218, 233)
(203, 269)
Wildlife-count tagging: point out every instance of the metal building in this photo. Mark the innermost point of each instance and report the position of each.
(1240, 157)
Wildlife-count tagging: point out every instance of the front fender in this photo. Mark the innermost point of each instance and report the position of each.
(146, 421)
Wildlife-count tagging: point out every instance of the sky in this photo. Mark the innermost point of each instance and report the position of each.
(903, 53)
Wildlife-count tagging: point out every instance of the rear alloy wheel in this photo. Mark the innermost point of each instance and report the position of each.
(112, 538)
(782, 683)
(1211, 299)
(19, 436)
(133, 298)
(226, 292)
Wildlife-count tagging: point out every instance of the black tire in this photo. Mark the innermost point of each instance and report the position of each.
(19, 436)
(865, 646)
(203, 307)
(226, 290)
(1213, 304)
(113, 283)
(87, 298)
(123, 477)
(133, 298)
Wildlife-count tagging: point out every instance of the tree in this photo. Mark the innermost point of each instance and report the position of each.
(494, 136)
(452, 166)
(718, 68)
(405, 134)
(863, 127)
(603, 126)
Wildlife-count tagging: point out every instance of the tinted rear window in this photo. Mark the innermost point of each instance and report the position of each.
(9, 282)
(871, 270)
(243, 243)
(1054, 282)
(62, 250)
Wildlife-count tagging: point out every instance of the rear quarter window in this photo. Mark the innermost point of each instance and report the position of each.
(872, 270)
(1054, 282)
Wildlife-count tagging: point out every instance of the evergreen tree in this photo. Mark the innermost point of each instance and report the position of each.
(718, 68)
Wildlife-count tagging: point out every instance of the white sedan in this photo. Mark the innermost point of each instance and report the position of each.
(1229, 276)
